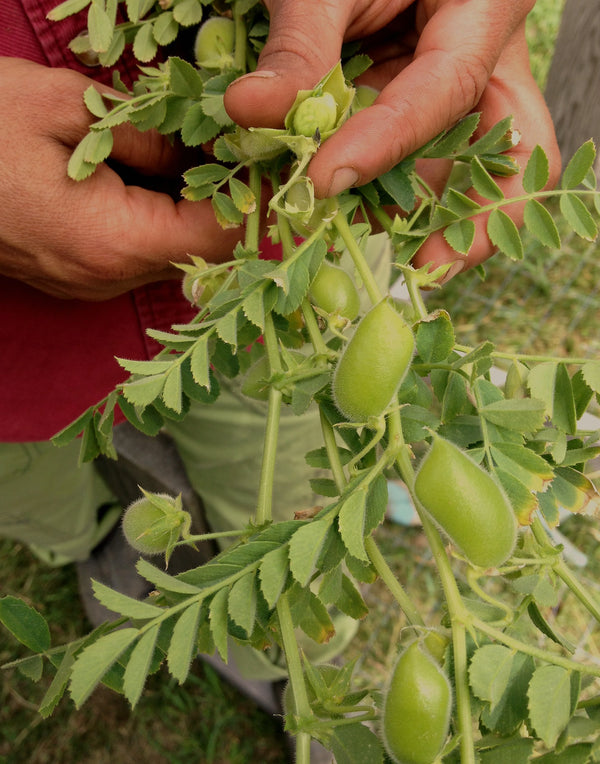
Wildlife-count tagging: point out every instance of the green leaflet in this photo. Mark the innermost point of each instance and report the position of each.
(305, 547)
(504, 234)
(182, 647)
(579, 166)
(551, 701)
(95, 660)
(536, 173)
(24, 623)
(242, 602)
(139, 664)
(578, 217)
(123, 604)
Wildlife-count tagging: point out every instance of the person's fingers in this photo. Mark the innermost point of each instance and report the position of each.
(305, 41)
(147, 152)
(122, 237)
(508, 93)
(95, 238)
(457, 51)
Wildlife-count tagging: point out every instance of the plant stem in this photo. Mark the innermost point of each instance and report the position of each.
(535, 652)
(285, 234)
(312, 326)
(253, 219)
(267, 474)
(333, 454)
(382, 218)
(563, 572)
(294, 665)
(536, 358)
(357, 256)
(584, 596)
(387, 576)
(456, 609)
(239, 53)
(484, 428)
(414, 293)
(210, 536)
(504, 203)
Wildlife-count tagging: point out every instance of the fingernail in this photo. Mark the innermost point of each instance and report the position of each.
(342, 179)
(261, 74)
(452, 271)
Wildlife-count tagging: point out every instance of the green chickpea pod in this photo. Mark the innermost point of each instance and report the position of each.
(416, 711)
(373, 363)
(467, 503)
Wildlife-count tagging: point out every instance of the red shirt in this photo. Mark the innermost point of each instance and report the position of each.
(57, 357)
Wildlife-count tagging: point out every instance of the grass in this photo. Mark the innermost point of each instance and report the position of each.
(546, 301)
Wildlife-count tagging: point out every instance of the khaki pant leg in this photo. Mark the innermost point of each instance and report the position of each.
(50, 504)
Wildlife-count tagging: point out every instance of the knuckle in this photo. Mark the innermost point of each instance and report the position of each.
(295, 48)
(470, 75)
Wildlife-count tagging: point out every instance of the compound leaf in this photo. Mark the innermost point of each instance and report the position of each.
(351, 523)
(217, 615)
(483, 182)
(123, 604)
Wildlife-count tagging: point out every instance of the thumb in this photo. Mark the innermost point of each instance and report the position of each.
(148, 152)
(304, 42)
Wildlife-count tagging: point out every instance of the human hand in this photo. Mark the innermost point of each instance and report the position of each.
(96, 238)
(434, 62)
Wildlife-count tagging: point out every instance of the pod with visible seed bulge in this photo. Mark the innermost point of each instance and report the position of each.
(467, 503)
(373, 364)
(416, 710)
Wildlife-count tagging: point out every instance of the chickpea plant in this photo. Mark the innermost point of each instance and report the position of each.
(487, 466)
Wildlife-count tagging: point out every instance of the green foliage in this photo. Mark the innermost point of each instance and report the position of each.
(279, 579)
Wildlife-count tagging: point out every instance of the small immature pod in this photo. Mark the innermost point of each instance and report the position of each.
(154, 521)
(214, 43)
(333, 290)
(315, 113)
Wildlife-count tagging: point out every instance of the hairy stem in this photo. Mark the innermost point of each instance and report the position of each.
(253, 219)
(453, 601)
(332, 453)
(387, 576)
(297, 684)
(239, 53)
(265, 491)
(357, 256)
(564, 573)
(414, 293)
